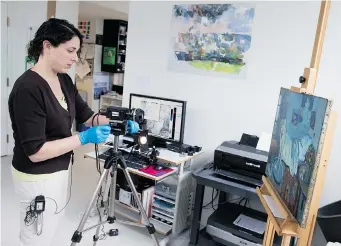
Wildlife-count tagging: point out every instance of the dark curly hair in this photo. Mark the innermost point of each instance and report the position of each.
(54, 30)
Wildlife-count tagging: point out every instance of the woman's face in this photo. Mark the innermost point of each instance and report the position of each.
(64, 56)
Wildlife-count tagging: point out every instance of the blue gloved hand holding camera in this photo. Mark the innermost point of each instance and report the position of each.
(96, 134)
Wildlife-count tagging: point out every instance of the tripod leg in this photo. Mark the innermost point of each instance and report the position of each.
(102, 208)
(96, 236)
(111, 217)
(111, 214)
(77, 236)
(111, 210)
(149, 226)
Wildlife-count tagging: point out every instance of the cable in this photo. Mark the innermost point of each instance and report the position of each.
(211, 202)
(214, 198)
(246, 201)
(32, 215)
(68, 198)
(98, 166)
(228, 201)
(102, 236)
(100, 193)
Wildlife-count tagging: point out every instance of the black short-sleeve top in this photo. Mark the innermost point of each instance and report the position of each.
(38, 117)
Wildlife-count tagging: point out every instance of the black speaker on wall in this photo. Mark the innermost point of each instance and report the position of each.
(114, 44)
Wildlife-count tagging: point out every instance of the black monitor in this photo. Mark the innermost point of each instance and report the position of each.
(165, 117)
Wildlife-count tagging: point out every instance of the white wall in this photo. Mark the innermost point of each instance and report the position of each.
(104, 10)
(20, 33)
(222, 109)
(68, 10)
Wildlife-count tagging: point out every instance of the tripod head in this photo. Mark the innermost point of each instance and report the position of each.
(129, 122)
(124, 120)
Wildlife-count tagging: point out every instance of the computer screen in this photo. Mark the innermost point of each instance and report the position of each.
(165, 117)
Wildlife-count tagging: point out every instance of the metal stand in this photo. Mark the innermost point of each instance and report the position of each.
(111, 163)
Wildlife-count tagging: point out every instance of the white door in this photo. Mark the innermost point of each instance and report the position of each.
(20, 31)
(4, 75)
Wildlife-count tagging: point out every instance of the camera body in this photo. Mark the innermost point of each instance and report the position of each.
(119, 117)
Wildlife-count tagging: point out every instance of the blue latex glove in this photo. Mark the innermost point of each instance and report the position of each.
(96, 134)
(132, 126)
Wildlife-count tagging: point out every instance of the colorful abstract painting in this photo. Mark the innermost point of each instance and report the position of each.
(211, 38)
(295, 149)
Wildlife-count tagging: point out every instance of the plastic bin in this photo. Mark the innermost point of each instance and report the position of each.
(329, 219)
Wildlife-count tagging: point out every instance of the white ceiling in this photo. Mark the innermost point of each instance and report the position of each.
(104, 9)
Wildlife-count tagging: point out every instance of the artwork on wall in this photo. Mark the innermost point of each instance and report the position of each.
(109, 55)
(295, 150)
(84, 28)
(101, 84)
(211, 39)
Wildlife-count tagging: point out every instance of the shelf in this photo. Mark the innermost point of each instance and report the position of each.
(110, 100)
(162, 213)
(175, 220)
(127, 212)
(206, 240)
(115, 33)
(162, 216)
(92, 155)
(164, 199)
(127, 207)
(161, 227)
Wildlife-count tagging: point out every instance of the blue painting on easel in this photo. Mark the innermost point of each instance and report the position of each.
(295, 148)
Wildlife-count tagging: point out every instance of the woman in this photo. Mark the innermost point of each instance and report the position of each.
(43, 106)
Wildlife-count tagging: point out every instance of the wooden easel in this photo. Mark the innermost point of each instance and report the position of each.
(287, 226)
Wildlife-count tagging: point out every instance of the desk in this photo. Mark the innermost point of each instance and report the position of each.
(177, 160)
(206, 177)
(184, 191)
(92, 155)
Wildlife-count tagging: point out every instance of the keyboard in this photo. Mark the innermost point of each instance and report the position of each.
(133, 160)
(178, 148)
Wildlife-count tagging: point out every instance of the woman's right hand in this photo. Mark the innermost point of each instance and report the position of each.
(96, 134)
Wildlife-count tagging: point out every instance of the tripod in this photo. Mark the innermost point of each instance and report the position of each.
(112, 162)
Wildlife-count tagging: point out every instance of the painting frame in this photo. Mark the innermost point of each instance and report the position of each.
(298, 137)
(208, 39)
